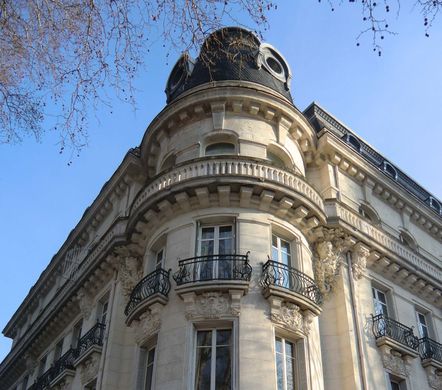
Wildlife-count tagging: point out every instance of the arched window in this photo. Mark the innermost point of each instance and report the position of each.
(352, 141)
(220, 148)
(275, 159)
(390, 170)
(408, 240)
(168, 163)
(434, 204)
(369, 214)
(279, 157)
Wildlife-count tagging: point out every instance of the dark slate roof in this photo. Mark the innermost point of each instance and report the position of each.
(321, 119)
(229, 54)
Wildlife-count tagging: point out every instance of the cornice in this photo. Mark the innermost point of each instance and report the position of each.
(216, 103)
(82, 232)
(321, 120)
(412, 271)
(334, 149)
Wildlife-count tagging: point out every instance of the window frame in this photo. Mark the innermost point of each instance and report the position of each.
(103, 303)
(427, 324)
(58, 349)
(375, 293)
(77, 331)
(143, 358)
(222, 151)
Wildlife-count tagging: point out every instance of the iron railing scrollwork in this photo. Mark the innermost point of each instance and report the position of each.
(213, 267)
(94, 336)
(384, 326)
(66, 362)
(157, 282)
(430, 349)
(278, 274)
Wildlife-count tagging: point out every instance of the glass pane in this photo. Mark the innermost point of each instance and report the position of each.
(274, 241)
(223, 337)
(225, 247)
(381, 297)
(278, 345)
(280, 370)
(285, 247)
(223, 378)
(290, 363)
(204, 338)
(225, 231)
(207, 233)
(274, 253)
(422, 319)
(206, 248)
(202, 371)
(149, 375)
(151, 356)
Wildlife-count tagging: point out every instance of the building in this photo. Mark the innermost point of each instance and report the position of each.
(243, 245)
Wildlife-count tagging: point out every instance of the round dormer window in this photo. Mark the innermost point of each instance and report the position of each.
(271, 60)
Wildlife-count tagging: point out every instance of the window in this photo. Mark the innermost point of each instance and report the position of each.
(148, 380)
(408, 240)
(76, 333)
(214, 242)
(220, 148)
(42, 366)
(422, 324)
(390, 170)
(395, 383)
(379, 302)
(24, 385)
(281, 250)
(286, 367)
(275, 159)
(369, 214)
(103, 307)
(213, 364)
(91, 385)
(168, 163)
(159, 259)
(58, 350)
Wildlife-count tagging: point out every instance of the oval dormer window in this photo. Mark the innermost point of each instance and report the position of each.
(353, 141)
(220, 148)
(274, 63)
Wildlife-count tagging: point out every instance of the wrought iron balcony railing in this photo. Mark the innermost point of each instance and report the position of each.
(93, 337)
(278, 274)
(384, 326)
(157, 282)
(430, 349)
(213, 267)
(42, 381)
(66, 362)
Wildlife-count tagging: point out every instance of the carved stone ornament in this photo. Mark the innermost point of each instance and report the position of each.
(434, 377)
(211, 305)
(359, 260)
(89, 368)
(395, 362)
(147, 325)
(64, 384)
(331, 244)
(291, 317)
(129, 273)
(85, 302)
(31, 359)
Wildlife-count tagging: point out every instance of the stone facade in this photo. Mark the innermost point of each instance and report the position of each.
(240, 214)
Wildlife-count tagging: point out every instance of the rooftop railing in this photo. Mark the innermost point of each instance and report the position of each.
(213, 267)
(157, 282)
(384, 326)
(278, 274)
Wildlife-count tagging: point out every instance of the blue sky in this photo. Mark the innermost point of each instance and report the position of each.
(392, 101)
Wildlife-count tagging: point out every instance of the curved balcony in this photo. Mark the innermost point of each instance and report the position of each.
(222, 272)
(245, 167)
(282, 281)
(430, 352)
(153, 288)
(396, 336)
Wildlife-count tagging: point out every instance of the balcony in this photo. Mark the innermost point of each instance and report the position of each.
(430, 352)
(219, 272)
(42, 381)
(284, 283)
(394, 335)
(91, 342)
(153, 288)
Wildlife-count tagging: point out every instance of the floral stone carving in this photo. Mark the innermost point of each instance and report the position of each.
(290, 316)
(148, 324)
(212, 305)
(395, 362)
(359, 260)
(86, 302)
(89, 368)
(129, 273)
(330, 246)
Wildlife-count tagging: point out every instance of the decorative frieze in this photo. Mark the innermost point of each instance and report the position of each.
(89, 368)
(395, 362)
(434, 377)
(212, 305)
